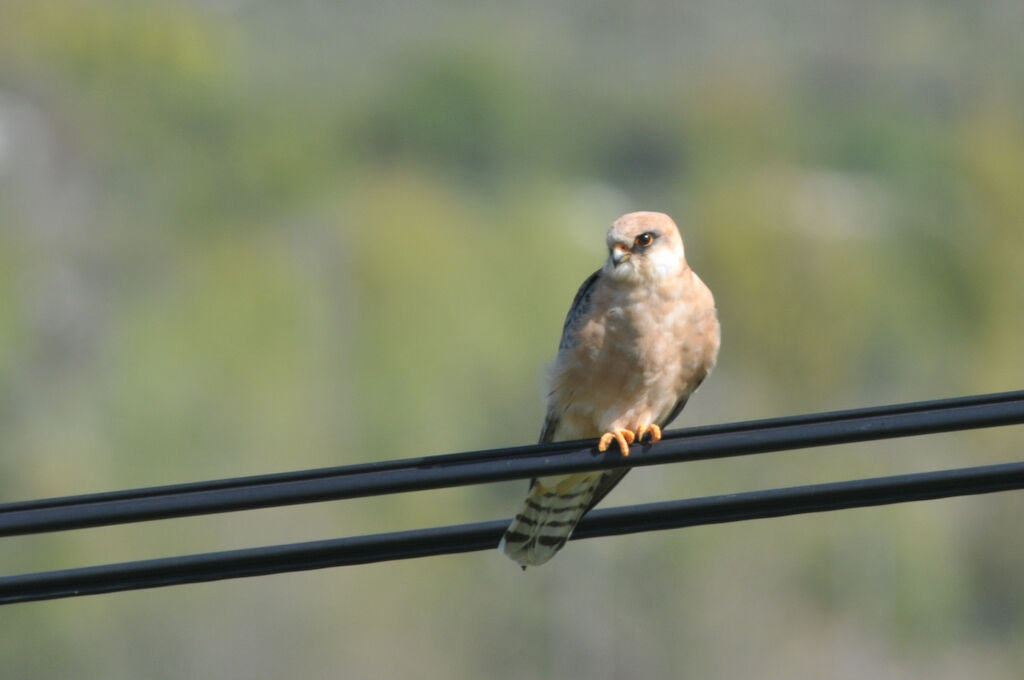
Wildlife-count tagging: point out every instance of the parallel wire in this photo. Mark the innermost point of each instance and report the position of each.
(715, 441)
(396, 476)
(484, 535)
(489, 454)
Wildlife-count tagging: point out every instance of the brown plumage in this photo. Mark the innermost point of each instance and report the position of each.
(640, 337)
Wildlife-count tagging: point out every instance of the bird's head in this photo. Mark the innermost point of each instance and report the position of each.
(644, 247)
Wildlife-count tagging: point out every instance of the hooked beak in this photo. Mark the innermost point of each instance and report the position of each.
(619, 254)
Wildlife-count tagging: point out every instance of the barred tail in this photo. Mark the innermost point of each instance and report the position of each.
(550, 513)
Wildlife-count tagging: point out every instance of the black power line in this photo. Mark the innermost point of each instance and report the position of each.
(484, 535)
(308, 486)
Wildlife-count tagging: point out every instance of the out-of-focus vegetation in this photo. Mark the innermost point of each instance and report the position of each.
(241, 237)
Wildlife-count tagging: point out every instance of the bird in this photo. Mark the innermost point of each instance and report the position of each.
(640, 337)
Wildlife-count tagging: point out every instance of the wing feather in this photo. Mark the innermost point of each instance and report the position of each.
(577, 310)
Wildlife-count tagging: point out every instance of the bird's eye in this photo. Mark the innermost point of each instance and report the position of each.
(645, 239)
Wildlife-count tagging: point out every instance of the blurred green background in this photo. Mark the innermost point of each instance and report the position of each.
(240, 236)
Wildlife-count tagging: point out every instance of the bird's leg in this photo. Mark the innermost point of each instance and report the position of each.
(653, 429)
(623, 437)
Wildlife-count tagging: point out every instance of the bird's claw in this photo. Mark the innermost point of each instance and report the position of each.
(623, 437)
(651, 429)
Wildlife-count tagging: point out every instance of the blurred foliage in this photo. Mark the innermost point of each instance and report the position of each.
(241, 237)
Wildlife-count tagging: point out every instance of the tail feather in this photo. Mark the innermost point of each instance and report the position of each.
(548, 517)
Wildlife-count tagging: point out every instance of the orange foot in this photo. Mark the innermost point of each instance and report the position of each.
(653, 429)
(623, 437)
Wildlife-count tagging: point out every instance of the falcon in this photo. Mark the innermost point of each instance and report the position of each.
(641, 335)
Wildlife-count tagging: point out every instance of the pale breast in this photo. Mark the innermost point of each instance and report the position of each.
(635, 356)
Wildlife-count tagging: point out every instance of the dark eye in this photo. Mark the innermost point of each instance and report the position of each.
(645, 239)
